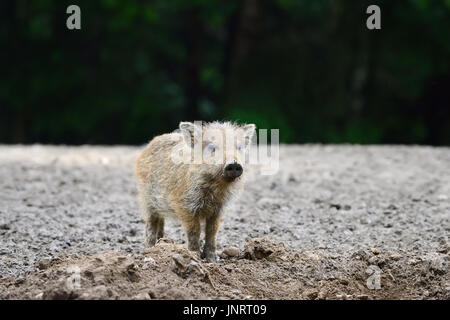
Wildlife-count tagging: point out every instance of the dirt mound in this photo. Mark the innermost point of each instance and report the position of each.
(264, 269)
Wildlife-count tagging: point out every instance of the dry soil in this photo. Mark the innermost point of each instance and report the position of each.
(336, 222)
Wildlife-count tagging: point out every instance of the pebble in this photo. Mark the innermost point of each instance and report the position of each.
(149, 260)
(44, 264)
(142, 296)
(231, 251)
(39, 296)
(121, 258)
(322, 295)
(311, 294)
(4, 226)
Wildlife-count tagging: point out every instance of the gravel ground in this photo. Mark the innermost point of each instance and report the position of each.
(58, 201)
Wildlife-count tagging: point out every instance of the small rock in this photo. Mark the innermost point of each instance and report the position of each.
(373, 260)
(152, 294)
(329, 277)
(185, 266)
(311, 294)
(374, 251)
(262, 248)
(362, 297)
(39, 296)
(231, 251)
(142, 296)
(179, 261)
(44, 263)
(4, 226)
(363, 221)
(322, 295)
(19, 281)
(149, 260)
(396, 256)
(130, 266)
(438, 265)
(121, 258)
(445, 248)
(228, 268)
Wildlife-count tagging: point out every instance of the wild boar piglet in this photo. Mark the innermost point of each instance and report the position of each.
(190, 174)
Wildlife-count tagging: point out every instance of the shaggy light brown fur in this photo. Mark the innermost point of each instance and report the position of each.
(192, 192)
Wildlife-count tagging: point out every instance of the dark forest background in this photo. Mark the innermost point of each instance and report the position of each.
(310, 68)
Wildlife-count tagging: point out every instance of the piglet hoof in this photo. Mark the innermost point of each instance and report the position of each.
(150, 243)
(209, 256)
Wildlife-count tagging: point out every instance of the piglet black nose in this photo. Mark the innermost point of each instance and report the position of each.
(233, 170)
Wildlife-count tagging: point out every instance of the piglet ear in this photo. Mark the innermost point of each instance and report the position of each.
(187, 127)
(249, 132)
(191, 131)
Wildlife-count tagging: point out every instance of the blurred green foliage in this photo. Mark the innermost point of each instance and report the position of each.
(310, 68)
